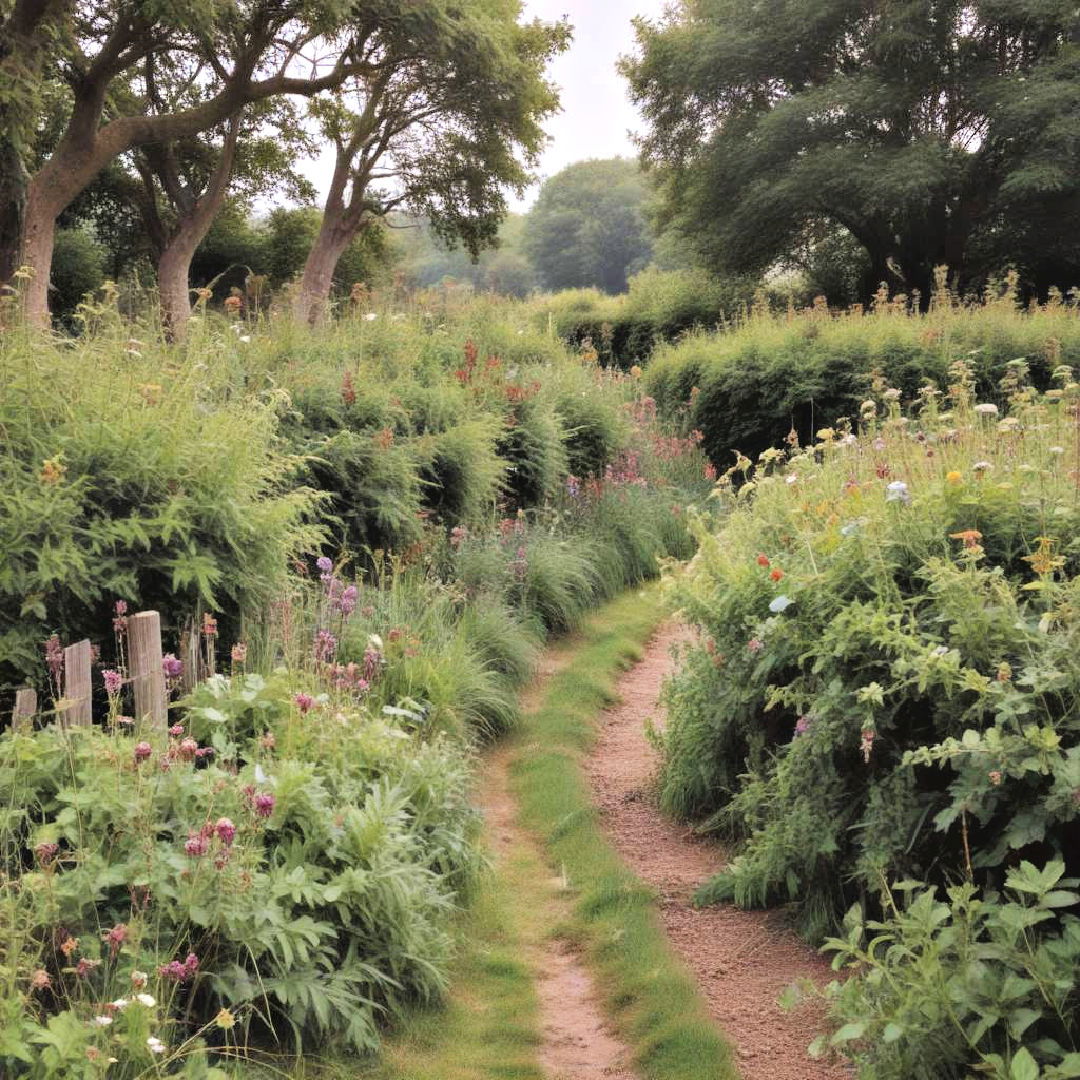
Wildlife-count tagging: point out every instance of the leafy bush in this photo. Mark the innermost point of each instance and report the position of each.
(885, 685)
(745, 389)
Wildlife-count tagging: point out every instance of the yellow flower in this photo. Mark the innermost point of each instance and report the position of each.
(225, 1020)
(1044, 561)
(52, 471)
(954, 477)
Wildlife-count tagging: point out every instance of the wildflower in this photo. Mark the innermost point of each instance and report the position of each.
(225, 1020)
(143, 999)
(52, 471)
(866, 744)
(171, 666)
(970, 537)
(954, 477)
(710, 472)
(188, 748)
(1004, 671)
(103, 1021)
(994, 776)
(264, 804)
(802, 725)
(347, 603)
(325, 645)
(892, 394)
(46, 853)
(197, 844)
(982, 466)
(119, 1004)
(180, 972)
(233, 304)
(68, 946)
(458, 535)
(155, 1044)
(139, 979)
(40, 980)
(763, 560)
(776, 575)
(986, 408)
(755, 645)
(239, 653)
(85, 966)
(113, 681)
(54, 656)
(142, 751)
(878, 443)
(897, 491)
(1044, 561)
(267, 740)
(209, 625)
(225, 830)
(120, 622)
(324, 566)
(635, 372)
(115, 937)
(176, 730)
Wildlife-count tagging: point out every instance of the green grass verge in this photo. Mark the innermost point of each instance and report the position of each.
(652, 999)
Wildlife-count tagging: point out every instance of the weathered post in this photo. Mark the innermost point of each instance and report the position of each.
(78, 688)
(147, 677)
(25, 708)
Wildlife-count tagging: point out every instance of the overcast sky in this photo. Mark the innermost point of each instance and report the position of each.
(597, 116)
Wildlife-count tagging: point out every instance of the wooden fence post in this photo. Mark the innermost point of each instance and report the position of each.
(25, 709)
(189, 655)
(78, 687)
(147, 677)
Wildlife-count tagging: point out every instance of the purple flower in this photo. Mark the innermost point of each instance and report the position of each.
(142, 751)
(264, 804)
(113, 681)
(226, 830)
(46, 853)
(324, 565)
(172, 667)
(304, 702)
(325, 646)
(802, 725)
(347, 603)
(180, 972)
(373, 661)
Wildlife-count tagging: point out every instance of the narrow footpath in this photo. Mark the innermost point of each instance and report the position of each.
(742, 960)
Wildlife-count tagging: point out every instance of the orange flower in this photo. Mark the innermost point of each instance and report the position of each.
(763, 560)
(776, 575)
(954, 477)
(971, 537)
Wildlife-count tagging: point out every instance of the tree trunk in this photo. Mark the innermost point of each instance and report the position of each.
(174, 265)
(13, 184)
(39, 235)
(311, 304)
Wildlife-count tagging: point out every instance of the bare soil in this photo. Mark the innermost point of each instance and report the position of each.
(577, 1041)
(742, 960)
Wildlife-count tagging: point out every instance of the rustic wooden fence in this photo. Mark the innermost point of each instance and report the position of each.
(145, 676)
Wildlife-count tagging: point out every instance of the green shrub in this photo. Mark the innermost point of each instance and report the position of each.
(747, 388)
(886, 685)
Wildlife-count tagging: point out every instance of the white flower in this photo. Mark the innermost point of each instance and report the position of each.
(370, 316)
(103, 1021)
(156, 1045)
(791, 479)
(245, 338)
(981, 466)
(986, 408)
(139, 979)
(121, 1003)
(145, 999)
(1057, 449)
(897, 492)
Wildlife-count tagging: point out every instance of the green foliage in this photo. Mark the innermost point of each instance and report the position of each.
(746, 389)
(78, 269)
(929, 133)
(587, 228)
(885, 687)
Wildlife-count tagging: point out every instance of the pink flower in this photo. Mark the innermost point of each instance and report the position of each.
(188, 748)
(172, 667)
(46, 853)
(264, 804)
(755, 645)
(176, 730)
(226, 830)
(113, 681)
(866, 744)
(802, 725)
(180, 972)
(142, 751)
(304, 702)
(40, 980)
(115, 937)
(197, 843)
(325, 645)
(85, 966)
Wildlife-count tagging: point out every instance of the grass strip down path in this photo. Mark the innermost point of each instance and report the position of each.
(652, 1000)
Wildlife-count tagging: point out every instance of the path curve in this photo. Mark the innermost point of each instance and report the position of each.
(742, 960)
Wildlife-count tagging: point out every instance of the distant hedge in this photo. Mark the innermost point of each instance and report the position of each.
(746, 388)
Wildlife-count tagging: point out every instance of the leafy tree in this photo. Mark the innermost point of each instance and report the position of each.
(588, 226)
(445, 116)
(932, 131)
(244, 51)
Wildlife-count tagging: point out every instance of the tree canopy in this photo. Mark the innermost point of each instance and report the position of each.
(931, 131)
(588, 227)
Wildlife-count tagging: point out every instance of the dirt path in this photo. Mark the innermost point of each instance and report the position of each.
(742, 960)
(577, 1042)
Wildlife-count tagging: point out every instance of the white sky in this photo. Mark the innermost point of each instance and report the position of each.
(597, 116)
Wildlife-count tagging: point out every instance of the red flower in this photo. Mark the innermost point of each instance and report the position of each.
(763, 560)
(776, 575)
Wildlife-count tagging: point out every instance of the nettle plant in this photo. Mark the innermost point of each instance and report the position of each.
(278, 865)
(885, 688)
